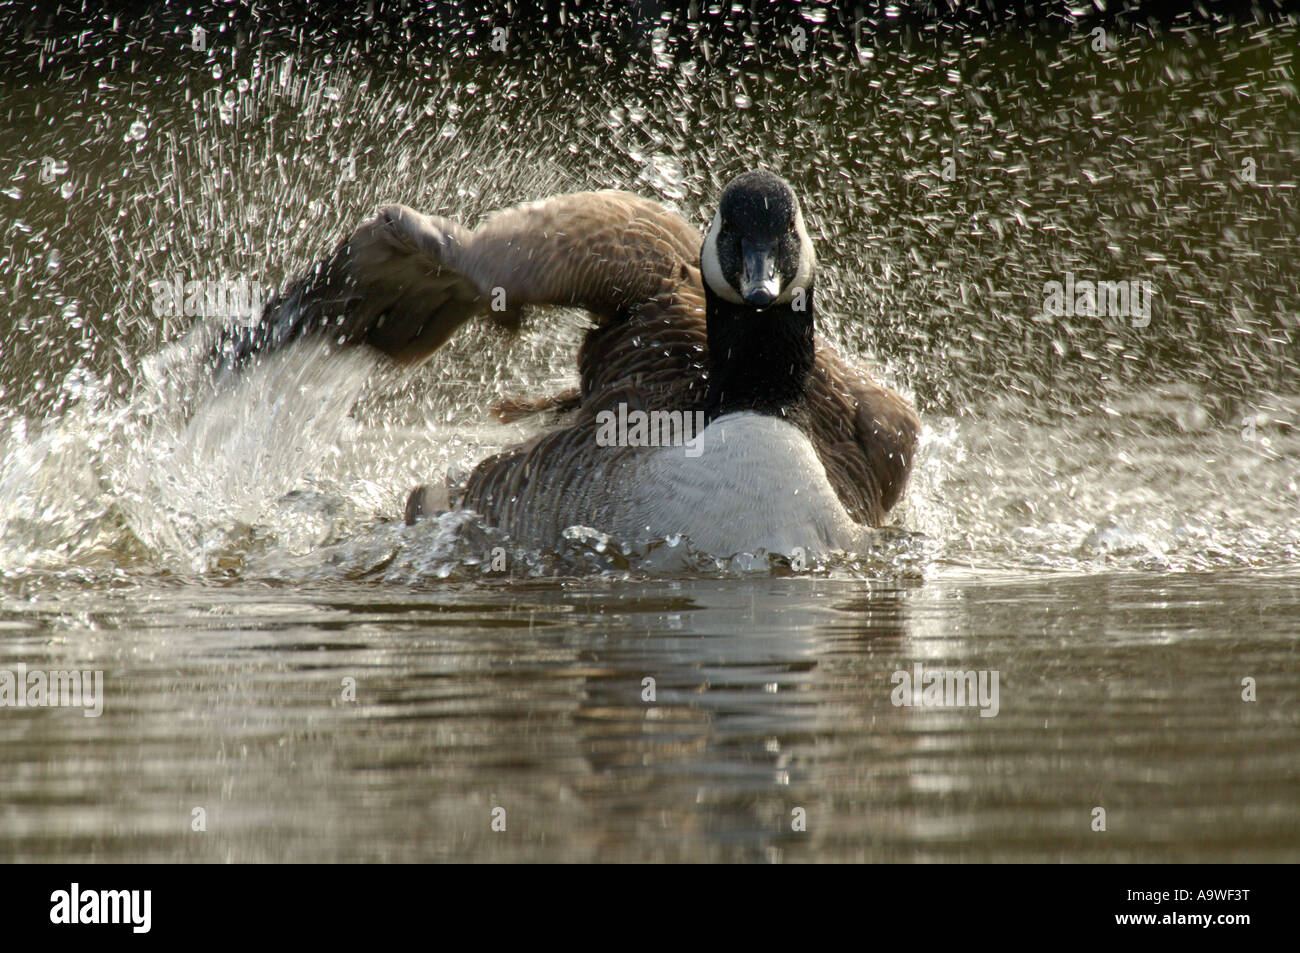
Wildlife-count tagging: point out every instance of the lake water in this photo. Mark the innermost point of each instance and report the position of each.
(1115, 691)
(1103, 514)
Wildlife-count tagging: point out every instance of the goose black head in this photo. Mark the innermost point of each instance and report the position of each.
(758, 271)
(757, 252)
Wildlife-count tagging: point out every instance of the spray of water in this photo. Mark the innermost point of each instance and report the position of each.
(948, 185)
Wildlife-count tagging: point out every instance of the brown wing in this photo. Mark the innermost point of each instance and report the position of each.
(403, 282)
(865, 435)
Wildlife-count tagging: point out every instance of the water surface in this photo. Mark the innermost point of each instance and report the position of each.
(1120, 692)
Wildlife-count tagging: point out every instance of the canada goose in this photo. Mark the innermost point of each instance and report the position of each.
(798, 451)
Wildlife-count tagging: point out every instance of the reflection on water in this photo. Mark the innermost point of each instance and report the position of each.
(1120, 692)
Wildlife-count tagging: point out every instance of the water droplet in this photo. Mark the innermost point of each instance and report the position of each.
(138, 130)
(741, 101)
(332, 93)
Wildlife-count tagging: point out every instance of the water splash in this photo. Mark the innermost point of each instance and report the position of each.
(946, 186)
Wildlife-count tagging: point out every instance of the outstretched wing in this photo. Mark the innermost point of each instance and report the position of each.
(403, 282)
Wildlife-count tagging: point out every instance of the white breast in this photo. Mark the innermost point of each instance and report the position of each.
(750, 482)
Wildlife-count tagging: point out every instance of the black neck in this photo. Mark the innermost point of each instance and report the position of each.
(758, 360)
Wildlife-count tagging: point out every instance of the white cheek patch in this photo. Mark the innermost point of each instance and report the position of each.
(803, 276)
(711, 269)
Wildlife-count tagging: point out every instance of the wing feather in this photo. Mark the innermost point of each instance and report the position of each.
(404, 282)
